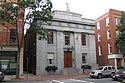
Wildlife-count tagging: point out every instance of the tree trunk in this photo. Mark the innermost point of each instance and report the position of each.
(18, 64)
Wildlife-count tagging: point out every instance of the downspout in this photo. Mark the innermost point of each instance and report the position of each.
(56, 51)
(88, 41)
(73, 49)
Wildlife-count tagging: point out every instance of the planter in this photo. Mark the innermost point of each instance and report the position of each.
(86, 67)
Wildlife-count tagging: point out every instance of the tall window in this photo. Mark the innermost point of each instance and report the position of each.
(12, 35)
(67, 38)
(98, 25)
(99, 36)
(84, 58)
(50, 58)
(117, 33)
(109, 48)
(83, 38)
(50, 37)
(100, 51)
(107, 21)
(117, 21)
(108, 34)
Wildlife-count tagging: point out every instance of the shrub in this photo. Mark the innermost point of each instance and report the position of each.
(51, 68)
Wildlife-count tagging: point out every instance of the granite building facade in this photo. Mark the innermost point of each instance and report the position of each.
(70, 43)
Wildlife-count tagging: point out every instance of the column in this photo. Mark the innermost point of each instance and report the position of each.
(115, 63)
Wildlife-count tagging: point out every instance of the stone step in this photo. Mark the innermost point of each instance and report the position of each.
(67, 71)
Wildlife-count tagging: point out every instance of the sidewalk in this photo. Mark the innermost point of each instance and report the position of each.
(44, 77)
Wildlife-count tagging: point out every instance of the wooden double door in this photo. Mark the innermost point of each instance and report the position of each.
(67, 59)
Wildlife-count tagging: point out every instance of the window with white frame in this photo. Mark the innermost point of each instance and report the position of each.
(83, 39)
(117, 33)
(100, 51)
(50, 58)
(84, 55)
(67, 38)
(13, 37)
(99, 37)
(108, 34)
(109, 48)
(50, 37)
(98, 25)
(117, 21)
(107, 21)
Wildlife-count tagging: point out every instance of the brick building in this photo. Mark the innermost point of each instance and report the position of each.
(106, 33)
(8, 45)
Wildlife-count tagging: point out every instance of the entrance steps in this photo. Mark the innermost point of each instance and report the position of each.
(67, 71)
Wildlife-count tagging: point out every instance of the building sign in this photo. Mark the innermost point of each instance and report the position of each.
(8, 53)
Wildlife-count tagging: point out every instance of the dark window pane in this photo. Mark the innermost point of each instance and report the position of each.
(109, 68)
(12, 35)
(67, 38)
(84, 57)
(50, 37)
(83, 38)
(105, 68)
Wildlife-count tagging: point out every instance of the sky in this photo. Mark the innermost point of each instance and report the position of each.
(91, 9)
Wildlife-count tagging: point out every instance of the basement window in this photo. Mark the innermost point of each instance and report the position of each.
(50, 59)
(84, 58)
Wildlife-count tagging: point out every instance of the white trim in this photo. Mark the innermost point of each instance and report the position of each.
(115, 63)
(107, 21)
(98, 25)
(111, 56)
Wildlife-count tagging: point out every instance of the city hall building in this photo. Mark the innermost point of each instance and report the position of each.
(70, 43)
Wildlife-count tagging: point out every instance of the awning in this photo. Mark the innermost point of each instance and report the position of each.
(111, 56)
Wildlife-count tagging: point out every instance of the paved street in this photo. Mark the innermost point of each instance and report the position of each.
(81, 80)
(86, 80)
(103, 80)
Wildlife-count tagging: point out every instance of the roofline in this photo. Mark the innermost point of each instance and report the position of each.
(66, 11)
(74, 22)
(106, 14)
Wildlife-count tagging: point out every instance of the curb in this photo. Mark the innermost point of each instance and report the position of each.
(11, 78)
(20, 80)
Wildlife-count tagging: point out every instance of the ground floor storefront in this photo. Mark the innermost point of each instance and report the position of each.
(8, 61)
(117, 60)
